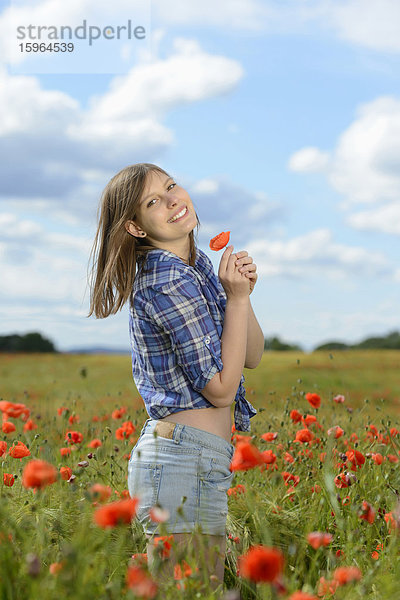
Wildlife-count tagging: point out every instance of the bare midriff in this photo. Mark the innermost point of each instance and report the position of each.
(214, 420)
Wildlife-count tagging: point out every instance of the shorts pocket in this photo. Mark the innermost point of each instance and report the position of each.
(144, 480)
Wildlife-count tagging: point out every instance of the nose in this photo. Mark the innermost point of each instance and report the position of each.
(171, 200)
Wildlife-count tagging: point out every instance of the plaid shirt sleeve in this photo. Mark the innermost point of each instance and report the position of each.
(180, 309)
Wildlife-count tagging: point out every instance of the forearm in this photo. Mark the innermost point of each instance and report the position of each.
(222, 388)
(255, 341)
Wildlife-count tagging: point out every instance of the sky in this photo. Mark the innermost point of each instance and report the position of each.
(280, 118)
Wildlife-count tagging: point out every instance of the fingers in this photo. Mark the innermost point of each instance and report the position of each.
(226, 256)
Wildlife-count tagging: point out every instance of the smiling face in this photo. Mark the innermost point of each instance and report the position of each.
(165, 213)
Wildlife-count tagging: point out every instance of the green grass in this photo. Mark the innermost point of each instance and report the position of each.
(56, 524)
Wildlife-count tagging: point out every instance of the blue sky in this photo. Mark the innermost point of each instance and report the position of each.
(282, 119)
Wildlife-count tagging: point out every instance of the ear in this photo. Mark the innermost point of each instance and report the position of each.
(133, 229)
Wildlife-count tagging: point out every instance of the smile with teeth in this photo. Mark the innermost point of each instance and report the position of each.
(179, 215)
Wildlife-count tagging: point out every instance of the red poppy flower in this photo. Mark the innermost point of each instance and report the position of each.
(309, 420)
(140, 583)
(339, 399)
(8, 479)
(220, 241)
(29, 425)
(377, 458)
(65, 451)
(302, 596)
(303, 436)
(375, 555)
(179, 573)
(38, 474)
(270, 436)
(316, 539)
(345, 575)
(290, 478)
(96, 443)
(3, 447)
(391, 458)
(121, 511)
(336, 431)
(355, 458)
(164, 542)
(238, 489)
(342, 480)
(326, 587)
(295, 416)
(13, 410)
(66, 473)
(118, 413)
(368, 513)
(261, 563)
(313, 399)
(246, 457)
(19, 450)
(126, 429)
(287, 457)
(73, 437)
(269, 457)
(8, 427)
(100, 492)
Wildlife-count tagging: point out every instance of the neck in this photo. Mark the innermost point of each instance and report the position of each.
(181, 248)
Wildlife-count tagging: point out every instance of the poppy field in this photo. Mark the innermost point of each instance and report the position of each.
(314, 507)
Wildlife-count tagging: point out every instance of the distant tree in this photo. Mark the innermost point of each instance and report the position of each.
(274, 343)
(332, 346)
(390, 342)
(30, 342)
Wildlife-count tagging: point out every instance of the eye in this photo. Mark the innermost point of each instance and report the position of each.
(150, 202)
(171, 185)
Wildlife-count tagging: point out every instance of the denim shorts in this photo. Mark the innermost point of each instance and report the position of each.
(184, 470)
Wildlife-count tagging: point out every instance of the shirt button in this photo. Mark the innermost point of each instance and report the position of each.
(207, 340)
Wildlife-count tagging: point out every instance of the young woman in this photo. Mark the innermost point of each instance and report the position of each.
(191, 334)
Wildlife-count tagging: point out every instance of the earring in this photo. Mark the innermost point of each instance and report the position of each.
(143, 234)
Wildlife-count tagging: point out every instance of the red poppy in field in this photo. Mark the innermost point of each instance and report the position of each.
(392, 521)
(269, 457)
(38, 474)
(183, 570)
(368, 512)
(29, 425)
(309, 420)
(73, 419)
(375, 555)
(313, 399)
(118, 413)
(326, 586)
(3, 447)
(56, 567)
(140, 583)
(13, 410)
(336, 431)
(238, 489)
(8, 479)
(65, 451)
(62, 410)
(303, 436)
(66, 473)
(96, 443)
(261, 563)
(19, 450)
(316, 489)
(391, 458)
(302, 596)
(164, 542)
(345, 575)
(8, 427)
(246, 457)
(355, 458)
(316, 539)
(100, 492)
(121, 511)
(287, 457)
(126, 429)
(295, 416)
(270, 436)
(377, 458)
(342, 480)
(220, 241)
(73, 437)
(290, 478)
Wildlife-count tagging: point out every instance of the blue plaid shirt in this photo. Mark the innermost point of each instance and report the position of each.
(176, 319)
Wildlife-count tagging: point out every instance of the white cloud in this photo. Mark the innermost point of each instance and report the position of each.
(308, 160)
(315, 253)
(365, 165)
(385, 219)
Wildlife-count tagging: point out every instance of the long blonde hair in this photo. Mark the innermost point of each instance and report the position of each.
(115, 252)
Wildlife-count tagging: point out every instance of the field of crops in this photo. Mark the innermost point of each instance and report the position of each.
(313, 508)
